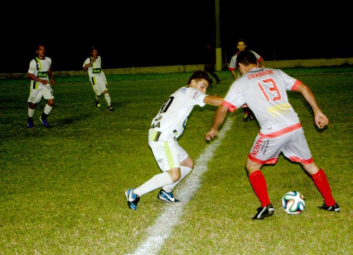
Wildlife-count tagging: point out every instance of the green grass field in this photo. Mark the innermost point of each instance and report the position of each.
(62, 189)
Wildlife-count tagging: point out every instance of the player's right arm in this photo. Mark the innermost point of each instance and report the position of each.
(217, 121)
(35, 78)
(32, 73)
(88, 63)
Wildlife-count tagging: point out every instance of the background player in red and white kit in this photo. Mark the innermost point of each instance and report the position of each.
(264, 91)
(42, 80)
(166, 127)
(97, 77)
(241, 45)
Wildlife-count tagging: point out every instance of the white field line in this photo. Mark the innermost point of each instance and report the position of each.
(171, 213)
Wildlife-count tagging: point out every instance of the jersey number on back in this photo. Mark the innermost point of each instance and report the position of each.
(163, 109)
(269, 88)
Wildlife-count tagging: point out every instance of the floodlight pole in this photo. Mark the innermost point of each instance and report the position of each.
(218, 66)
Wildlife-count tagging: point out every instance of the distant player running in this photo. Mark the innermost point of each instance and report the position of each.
(42, 80)
(166, 127)
(97, 77)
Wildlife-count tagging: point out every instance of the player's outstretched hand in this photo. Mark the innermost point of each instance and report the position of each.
(321, 120)
(211, 134)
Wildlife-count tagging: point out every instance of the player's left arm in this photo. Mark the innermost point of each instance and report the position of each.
(321, 119)
(51, 77)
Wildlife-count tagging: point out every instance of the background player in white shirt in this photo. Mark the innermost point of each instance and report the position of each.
(264, 90)
(241, 45)
(42, 80)
(166, 127)
(97, 77)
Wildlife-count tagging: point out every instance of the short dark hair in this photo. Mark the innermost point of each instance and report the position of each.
(40, 44)
(246, 57)
(198, 75)
(241, 40)
(93, 48)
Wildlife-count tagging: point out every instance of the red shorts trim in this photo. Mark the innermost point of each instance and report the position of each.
(304, 161)
(270, 161)
(281, 132)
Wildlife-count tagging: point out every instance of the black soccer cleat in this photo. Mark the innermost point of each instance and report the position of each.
(263, 212)
(334, 208)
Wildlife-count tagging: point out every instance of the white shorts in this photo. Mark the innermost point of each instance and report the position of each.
(99, 84)
(36, 95)
(168, 154)
(293, 145)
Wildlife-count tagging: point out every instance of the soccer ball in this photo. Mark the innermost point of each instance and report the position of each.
(293, 202)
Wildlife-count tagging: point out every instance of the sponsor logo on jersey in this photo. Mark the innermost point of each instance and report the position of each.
(42, 74)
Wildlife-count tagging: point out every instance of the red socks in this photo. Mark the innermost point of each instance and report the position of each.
(323, 186)
(258, 183)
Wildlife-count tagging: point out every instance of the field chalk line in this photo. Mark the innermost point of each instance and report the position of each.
(163, 227)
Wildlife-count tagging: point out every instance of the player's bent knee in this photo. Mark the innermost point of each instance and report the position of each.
(311, 168)
(175, 174)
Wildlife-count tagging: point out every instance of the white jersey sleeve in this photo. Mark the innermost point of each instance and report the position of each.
(196, 95)
(258, 57)
(32, 67)
(86, 62)
(233, 62)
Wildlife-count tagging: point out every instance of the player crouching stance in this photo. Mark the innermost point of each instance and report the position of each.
(166, 127)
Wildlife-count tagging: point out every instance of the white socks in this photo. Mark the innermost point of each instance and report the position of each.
(184, 172)
(47, 109)
(30, 112)
(155, 182)
(107, 98)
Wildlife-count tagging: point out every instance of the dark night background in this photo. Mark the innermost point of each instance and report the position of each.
(159, 33)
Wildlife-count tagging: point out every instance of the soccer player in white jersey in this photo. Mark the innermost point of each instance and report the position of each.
(166, 127)
(42, 80)
(97, 77)
(241, 45)
(264, 90)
